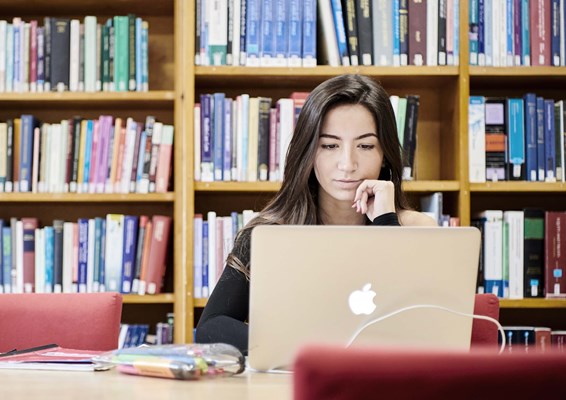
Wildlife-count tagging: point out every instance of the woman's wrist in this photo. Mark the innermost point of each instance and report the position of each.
(387, 219)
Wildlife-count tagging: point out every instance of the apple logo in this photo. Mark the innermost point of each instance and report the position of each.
(361, 301)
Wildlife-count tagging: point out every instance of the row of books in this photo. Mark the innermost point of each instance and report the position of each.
(135, 335)
(69, 54)
(433, 205)
(510, 33)
(213, 241)
(245, 139)
(85, 156)
(533, 339)
(516, 139)
(523, 253)
(121, 253)
(389, 33)
(256, 33)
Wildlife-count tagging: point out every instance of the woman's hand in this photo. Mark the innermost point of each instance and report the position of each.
(375, 198)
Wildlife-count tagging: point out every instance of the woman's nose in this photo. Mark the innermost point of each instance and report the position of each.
(347, 161)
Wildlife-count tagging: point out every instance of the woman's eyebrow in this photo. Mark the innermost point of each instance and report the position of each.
(329, 136)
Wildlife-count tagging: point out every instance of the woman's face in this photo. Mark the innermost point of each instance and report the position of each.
(348, 152)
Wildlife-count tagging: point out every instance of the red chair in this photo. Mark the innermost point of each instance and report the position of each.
(378, 373)
(85, 321)
(484, 333)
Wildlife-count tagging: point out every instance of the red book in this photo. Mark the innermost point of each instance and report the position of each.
(540, 29)
(164, 159)
(555, 253)
(29, 227)
(157, 253)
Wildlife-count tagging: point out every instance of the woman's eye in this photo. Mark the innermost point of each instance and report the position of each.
(329, 146)
(367, 146)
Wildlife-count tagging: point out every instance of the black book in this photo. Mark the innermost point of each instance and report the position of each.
(410, 136)
(263, 139)
(442, 13)
(534, 252)
(365, 31)
(8, 185)
(403, 32)
(47, 53)
(58, 255)
(480, 282)
(60, 53)
(75, 150)
(132, 52)
(351, 26)
(495, 138)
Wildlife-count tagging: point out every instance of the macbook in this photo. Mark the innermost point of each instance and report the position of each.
(359, 285)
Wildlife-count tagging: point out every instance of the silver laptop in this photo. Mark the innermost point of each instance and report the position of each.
(359, 285)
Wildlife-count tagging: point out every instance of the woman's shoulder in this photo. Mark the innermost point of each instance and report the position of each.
(415, 218)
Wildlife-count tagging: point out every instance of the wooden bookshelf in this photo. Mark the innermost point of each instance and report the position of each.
(533, 303)
(525, 187)
(86, 197)
(163, 298)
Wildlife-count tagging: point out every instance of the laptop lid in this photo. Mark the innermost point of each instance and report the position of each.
(321, 284)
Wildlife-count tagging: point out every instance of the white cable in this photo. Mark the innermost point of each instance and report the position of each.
(383, 317)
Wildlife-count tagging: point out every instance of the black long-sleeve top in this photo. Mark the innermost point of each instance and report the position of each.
(224, 317)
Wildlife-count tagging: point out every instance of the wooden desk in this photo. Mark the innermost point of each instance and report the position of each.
(24, 384)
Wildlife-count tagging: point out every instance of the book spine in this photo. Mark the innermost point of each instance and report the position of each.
(493, 256)
(132, 70)
(164, 164)
(58, 256)
(309, 33)
(121, 53)
(253, 32)
(281, 37)
(228, 138)
(295, 33)
(403, 32)
(263, 139)
(555, 32)
(83, 254)
(516, 139)
(114, 252)
(158, 253)
(540, 139)
(531, 136)
(197, 256)
(218, 135)
(129, 252)
(525, 33)
(555, 253)
(549, 141)
(207, 161)
(410, 136)
(442, 29)
(351, 26)
(417, 32)
(534, 253)
(340, 32)
(473, 24)
(29, 226)
(476, 139)
(143, 219)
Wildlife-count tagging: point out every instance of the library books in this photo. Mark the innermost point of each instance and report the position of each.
(52, 357)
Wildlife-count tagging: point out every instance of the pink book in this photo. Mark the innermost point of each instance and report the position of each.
(106, 132)
(164, 159)
(33, 55)
(157, 253)
(29, 227)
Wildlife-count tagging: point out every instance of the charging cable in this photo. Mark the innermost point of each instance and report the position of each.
(430, 306)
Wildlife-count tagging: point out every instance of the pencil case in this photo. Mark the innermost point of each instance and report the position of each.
(177, 361)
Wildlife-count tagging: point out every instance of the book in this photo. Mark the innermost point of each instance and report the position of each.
(555, 253)
(158, 253)
(534, 253)
(476, 139)
(52, 357)
(495, 139)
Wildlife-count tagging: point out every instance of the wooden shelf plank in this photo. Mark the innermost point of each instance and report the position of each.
(99, 97)
(164, 298)
(200, 303)
(86, 197)
(517, 71)
(518, 187)
(322, 71)
(409, 186)
(533, 303)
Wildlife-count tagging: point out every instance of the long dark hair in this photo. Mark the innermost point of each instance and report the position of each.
(296, 202)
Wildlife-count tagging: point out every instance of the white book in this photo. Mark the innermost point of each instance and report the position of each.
(62, 157)
(90, 53)
(286, 126)
(562, 21)
(394, 99)
(514, 229)
(3, 28)
(217, 16)
(476, 139)
(329, 43)
(156, 141)
(236, 29)
(247, 216)
(55, 157)
(212, 278)
(43, 163)
(253, 132)
(242, 136)
(74, 54)
(228, 237)
(128, 159)
(3, 151)
(35, 162)
(68, 257)
(493, 251)
(197, 256)
(113, 253)
(19, 257)
(196, 143)
(39, 261)
(432, 32)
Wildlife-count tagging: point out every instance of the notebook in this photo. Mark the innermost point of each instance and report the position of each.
(321, 284)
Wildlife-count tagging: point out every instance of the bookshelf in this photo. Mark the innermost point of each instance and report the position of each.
(441, 159)
(164, 100)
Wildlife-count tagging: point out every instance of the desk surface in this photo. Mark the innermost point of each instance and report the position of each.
(24, 384)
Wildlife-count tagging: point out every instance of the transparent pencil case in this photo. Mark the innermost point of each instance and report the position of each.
(177, 361)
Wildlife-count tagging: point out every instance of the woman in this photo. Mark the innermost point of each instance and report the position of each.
(343, 167)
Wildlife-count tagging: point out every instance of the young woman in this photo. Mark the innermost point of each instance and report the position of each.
(343, 167)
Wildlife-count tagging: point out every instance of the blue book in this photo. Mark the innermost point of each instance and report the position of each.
(206, 160)
(456, 32)
(555, 29)
(281, 35)
(549, 141)
(540, 140)
(525, 33)
(516, 139)
(295, 33)
(205, 259)
(97, 253)
(218, 135)
(396, 35)
(17, 55)
(309, 33)
(7, 258)
(228, 138)
(83, 254)
(481, 32)
(138, 35)
(145, 57)
(473, 20)
(243, 31)
(129, 252)
(267, 35)
(197, 256)
(531, 136)
(87, 156)
(28, 124)
(141, 154)
(253, 32)
(340, 32)
(49, 234)
(40, 58)
(509, 33)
